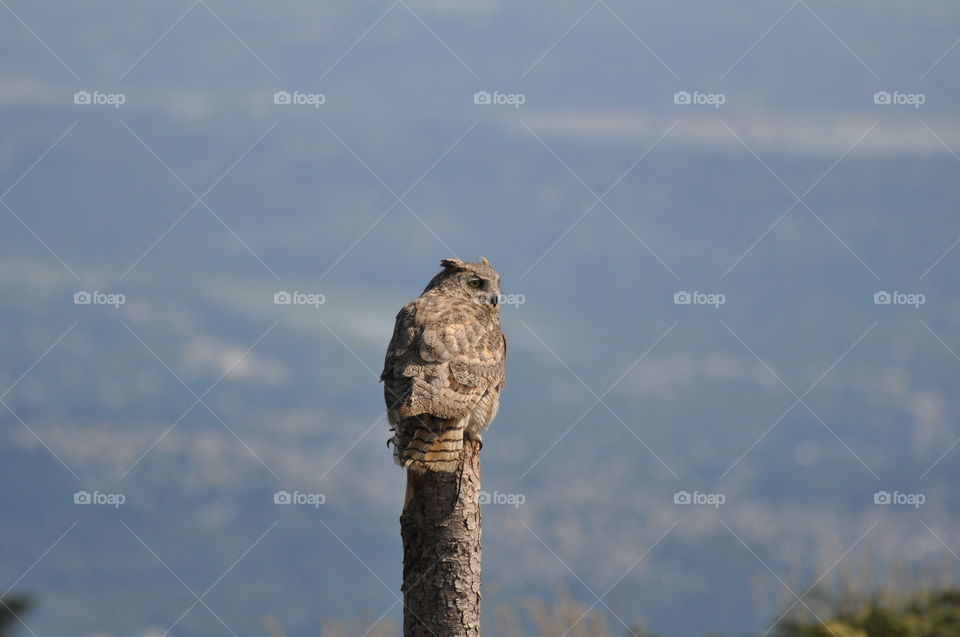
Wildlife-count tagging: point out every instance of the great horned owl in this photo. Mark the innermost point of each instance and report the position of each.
(444, 366)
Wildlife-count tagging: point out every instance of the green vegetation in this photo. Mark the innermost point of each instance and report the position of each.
(922, 613)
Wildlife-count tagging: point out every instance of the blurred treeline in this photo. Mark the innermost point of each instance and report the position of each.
(891, 610)
(848, 610)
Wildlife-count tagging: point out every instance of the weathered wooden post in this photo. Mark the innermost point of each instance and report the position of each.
(440, 528)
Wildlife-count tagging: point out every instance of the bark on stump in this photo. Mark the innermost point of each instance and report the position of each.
(441, 551)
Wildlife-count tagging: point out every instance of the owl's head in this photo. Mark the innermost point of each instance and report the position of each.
(477, 282)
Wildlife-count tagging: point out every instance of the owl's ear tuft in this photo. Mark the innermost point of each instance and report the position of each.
(452, 263)
(484, 261)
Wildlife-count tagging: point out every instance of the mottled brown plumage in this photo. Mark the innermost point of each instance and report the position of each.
(444, 366)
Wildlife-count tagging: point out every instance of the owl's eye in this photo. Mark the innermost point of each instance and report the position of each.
(476, 284)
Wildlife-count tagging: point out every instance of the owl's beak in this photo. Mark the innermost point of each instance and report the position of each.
(494, 299)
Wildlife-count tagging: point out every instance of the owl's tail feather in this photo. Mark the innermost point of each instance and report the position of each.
(435, 448)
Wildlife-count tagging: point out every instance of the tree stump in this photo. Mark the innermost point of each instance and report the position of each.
(440, 529)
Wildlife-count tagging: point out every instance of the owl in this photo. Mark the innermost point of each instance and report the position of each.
(444, 366)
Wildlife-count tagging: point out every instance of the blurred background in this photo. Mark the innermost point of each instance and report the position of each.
(730, 232)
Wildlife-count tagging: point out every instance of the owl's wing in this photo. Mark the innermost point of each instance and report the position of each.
(442, 367)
